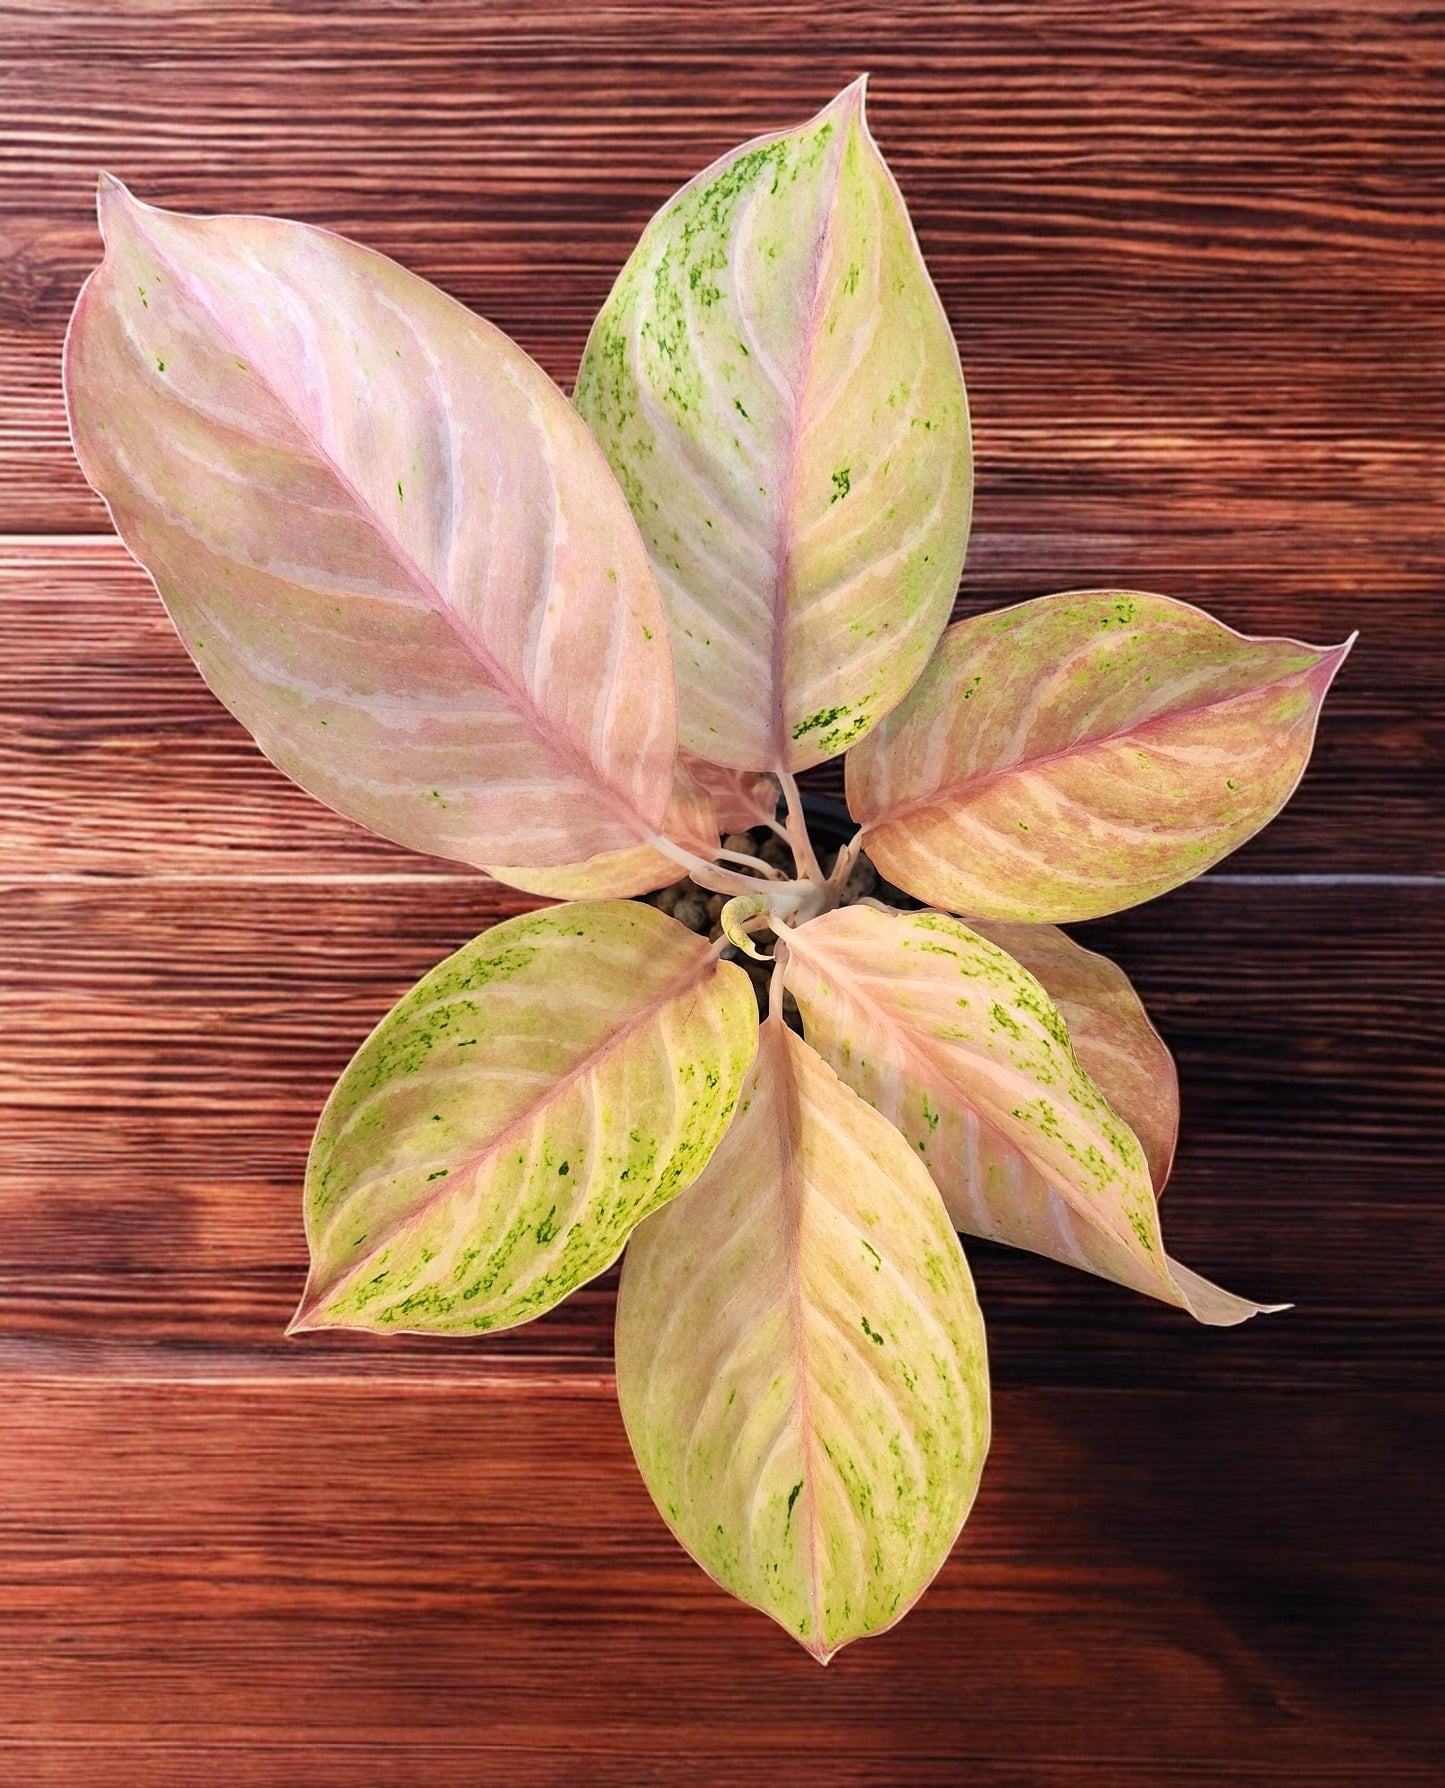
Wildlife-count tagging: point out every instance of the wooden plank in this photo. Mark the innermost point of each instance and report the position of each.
(165, 1048)
(236, 1567)
(118, 761)
(1185, 247)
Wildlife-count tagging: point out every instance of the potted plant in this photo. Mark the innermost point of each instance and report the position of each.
(590, 648)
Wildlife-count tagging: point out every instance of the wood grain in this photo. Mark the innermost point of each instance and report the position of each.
(164, 1050)
(1193, 255)
(1188, 250)
(118, 760)
(263, 1567)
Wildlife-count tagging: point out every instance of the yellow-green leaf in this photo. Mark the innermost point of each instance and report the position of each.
(777, 389)
(1117, 1046)
(1081, 753)
(962, 1048)
(800, 1359)
(498, 1135)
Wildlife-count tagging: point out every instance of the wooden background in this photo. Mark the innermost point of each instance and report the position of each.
(1193, 254)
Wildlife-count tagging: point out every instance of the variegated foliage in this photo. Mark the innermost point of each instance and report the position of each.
(956, 1043)
(392, 548)
(479, 1160)
(402, 560)
(777, 388)
(800, 1359)
(1080, 753)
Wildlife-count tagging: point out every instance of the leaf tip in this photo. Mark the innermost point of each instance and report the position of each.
(113, 201)
(852, 102)
(307, 1312)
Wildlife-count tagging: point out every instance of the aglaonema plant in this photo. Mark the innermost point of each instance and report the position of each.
(575, 646)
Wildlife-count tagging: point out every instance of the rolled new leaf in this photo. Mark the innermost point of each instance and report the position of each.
(1117, 1046)
(498, 1135)
(1080, 753)
(777, 388)
(392, 548)
(961, 1047)
(800, 1360)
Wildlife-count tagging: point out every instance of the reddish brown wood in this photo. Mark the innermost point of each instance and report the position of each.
(1190, 251)
(1193, 254)
(447, 1581)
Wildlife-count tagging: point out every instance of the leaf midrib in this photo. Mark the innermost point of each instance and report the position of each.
(502, 1139)
(518, 696)
(964, 788)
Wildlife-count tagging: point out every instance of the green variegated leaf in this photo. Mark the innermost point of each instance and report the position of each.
(1117, 1046)
(800, 1359)
(777, 388)
(1081, 753)
(955, 1042)
(498, 1135)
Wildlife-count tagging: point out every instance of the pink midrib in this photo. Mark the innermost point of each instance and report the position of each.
(782, 552)
(792, 1131)
(518, 695)
(938, 1078)
(1330, 660)
(503, 1139)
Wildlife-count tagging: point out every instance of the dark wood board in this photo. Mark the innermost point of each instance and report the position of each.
(1193, 255)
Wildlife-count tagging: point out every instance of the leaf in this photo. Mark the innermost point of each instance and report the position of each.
(1117, 1046)
(617, 875)
(390, 545)
(960, 1047)
(498, 1135)
(741, 799)
(1081, 753)
(777, 388)
(800, 1360)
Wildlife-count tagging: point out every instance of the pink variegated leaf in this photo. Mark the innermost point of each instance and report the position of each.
(1117, 1046)
(617, 875)
(962, 1048)
(390, 544)
(777, 388)
(1080, 753)
(800, 1359)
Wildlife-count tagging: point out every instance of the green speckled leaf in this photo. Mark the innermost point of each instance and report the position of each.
(496, 1138)
(777, 388)
(1117, 1046)
(1081, 753)
(962, 1048)
(800, 1359)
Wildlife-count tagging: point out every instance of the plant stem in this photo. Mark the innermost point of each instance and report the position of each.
(757, 863)
(804, 856)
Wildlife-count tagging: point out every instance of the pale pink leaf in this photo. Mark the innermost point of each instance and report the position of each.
(741, 799)
(690, 821)
(958, 1045)
(497, 1136)
(800, 1359)
(1080, 753)
(390, 544)
(777, 388)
